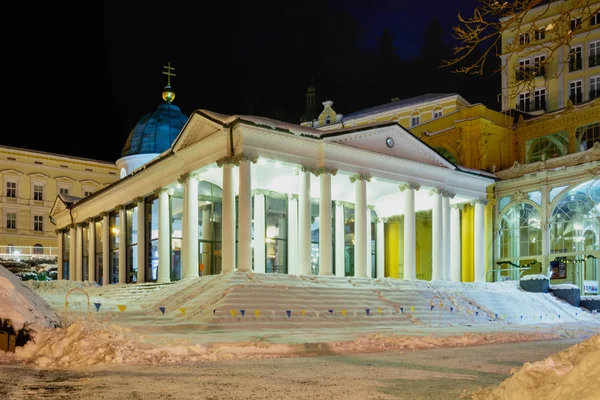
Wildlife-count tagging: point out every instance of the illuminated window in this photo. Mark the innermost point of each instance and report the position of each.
(549, 146)
(588, 135)
(520, 232)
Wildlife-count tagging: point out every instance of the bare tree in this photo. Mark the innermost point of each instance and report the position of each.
(481, 36)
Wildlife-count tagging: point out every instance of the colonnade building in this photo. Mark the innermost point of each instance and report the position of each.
(244, 193)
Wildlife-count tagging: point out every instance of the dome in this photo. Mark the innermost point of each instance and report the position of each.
(155, 132)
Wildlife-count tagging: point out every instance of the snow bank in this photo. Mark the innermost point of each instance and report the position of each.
(21, 305)
(564, 286)
(534, 277)
(571, 374)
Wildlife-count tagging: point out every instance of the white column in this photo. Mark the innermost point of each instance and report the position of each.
(207, 250)
(228, 221)
(79, 253)
(260, 259)
(292, 234)
(105, 249)
(91, 250)
(72, 254)
(245, 217)
(122, 244)
(410, 231)
(436, 242)
(369, 244)
(59, 271)
(141, 240)
(190, 236)
(340, 237)
(380, 250)
(478, 242)
(325, 242)
(446, 235)
(455, 243)
(304, 248)
(360, 225)
(164, 237)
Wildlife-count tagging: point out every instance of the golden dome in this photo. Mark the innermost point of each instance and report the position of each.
(168, 94)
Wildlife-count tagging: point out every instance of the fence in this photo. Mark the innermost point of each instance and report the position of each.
(27, 251)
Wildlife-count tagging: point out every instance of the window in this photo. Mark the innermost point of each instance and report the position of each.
(576, 92)
(524, 38)
(88, 193)
(595, 19)
(524, 102)
(523, 70)
(548, 146)
(38, 223)
(38, 192)
(576, 23)
(540, 69)
(327, 120)
(276, 234)
(539, 100)
(594, 87)
(587, 135)
(11, 220)
(63, 190)
(594, 59)
(38, 249)
(520, 232)
(415, 119)
(437, 112)
(575, 59)
(540, 34)
(11, 189)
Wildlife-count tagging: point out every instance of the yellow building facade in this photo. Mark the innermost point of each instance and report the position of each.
(31, 180)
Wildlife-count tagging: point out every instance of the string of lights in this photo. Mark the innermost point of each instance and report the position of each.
(516, 265)
(574, 260)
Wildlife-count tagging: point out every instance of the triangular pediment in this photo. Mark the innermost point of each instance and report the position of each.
(64, 179)
(11, 172)
(37, 175)
(390, 139)
(89, 182)
(58, 206)
(197, 128)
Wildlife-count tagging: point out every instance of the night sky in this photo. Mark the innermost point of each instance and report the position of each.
(82, 76)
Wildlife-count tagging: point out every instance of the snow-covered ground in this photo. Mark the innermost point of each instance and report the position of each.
(245, 315)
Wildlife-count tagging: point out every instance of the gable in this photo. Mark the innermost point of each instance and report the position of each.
(37, 175)
(58, 206)
(196, 129)
(392, 140)
(11, 172)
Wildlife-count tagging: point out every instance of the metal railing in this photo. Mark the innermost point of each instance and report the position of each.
(28, 251)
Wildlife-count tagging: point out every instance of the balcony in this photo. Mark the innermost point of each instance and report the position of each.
(594, 60)
(539, 105)
(524, 73)
(576, 98)
(575, 64)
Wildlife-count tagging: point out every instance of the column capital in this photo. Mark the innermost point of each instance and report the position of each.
(89, 221)
(58, 231)
(447, 193)
(413, 186)
(458, 206)
(306, 168)
(371, 207)
(292, 196)
(478, 201)
(380, 219)
(138, 200)
(236, 159)
(120, 207)
(162, 190)
(360, 177)
(70, 226)
(264, 192)
(392, 218)
(187, 176)
(324, 170)
(434, 191)
(104, 214)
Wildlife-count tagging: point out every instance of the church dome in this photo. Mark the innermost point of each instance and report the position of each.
(156, 131)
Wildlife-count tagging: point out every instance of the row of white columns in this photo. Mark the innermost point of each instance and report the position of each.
(445, 230)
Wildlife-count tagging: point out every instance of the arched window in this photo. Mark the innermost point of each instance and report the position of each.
(11, 249)
(415, 118)
(588, 135)
(437, 112)
(446, 154)
(520, 232)
(550, 146)
(574, 220)
(38, 249)
(327, 120)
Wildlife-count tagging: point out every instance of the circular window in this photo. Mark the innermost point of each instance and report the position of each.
(390, 142)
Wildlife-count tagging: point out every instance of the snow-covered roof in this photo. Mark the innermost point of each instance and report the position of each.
(261, 121)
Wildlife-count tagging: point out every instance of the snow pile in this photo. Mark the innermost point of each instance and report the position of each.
(534, 277)
(564, 286)
(21, 305)
(570, 374)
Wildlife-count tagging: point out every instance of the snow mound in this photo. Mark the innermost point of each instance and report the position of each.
(534, 277)
(22, 305)
(571, 374)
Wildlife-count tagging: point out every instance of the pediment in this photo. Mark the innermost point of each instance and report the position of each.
(89, 182)
(58, 206)
(37, 175)
(197, 128)
(393, 140)
(11, 172)
(64, 179)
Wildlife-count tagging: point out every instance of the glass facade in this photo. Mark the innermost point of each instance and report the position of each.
(114, 246)
(85, 253)
(176, 226)
(66, 253)
(209, 228)
(152, 239)
(132, 241)
(520, 232)
(348, 240)
(98, 250)
(314, 238)
(276, 234)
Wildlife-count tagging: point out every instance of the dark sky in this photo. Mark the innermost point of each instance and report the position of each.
(80, 77)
